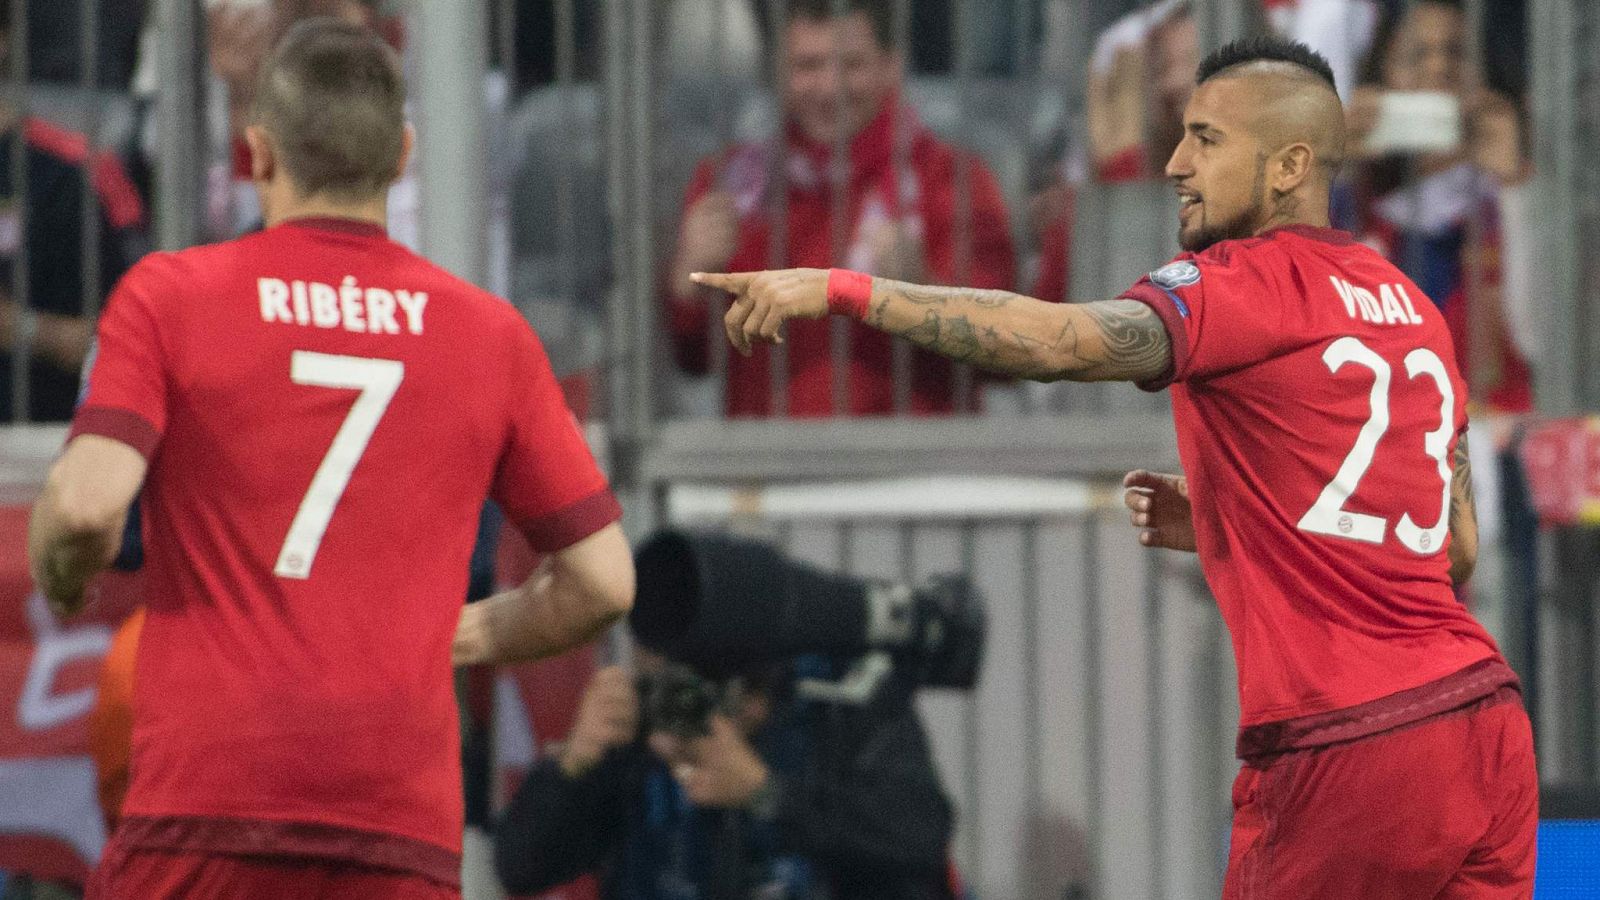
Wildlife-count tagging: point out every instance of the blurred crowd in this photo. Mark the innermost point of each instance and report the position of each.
(923, 139)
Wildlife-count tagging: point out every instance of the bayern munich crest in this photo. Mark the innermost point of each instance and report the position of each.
(1176, 275)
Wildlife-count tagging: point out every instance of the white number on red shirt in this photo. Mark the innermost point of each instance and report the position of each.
(377, 380)
(1328, 515)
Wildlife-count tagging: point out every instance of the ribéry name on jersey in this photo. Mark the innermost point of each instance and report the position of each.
(370, 310)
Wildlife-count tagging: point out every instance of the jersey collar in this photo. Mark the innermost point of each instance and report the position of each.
(333, 223)
(1326, 235)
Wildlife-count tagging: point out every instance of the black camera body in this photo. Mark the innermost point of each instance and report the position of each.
(677, 700)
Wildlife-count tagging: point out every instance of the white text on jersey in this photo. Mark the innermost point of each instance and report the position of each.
(1391, 306)
(369, 310)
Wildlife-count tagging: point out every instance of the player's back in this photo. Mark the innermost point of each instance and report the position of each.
(1317, 421)
(336, 412)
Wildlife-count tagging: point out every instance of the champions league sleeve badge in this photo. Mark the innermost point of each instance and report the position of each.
(1175, 275)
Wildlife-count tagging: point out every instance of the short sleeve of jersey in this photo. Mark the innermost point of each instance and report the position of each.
(1218, 312)
(126, 394)
(547, 481)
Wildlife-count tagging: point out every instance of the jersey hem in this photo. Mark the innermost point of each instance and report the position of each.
(262, 837)
(118, 424)
(1464, 686)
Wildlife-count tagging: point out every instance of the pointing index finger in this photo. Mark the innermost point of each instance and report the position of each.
(732, 282)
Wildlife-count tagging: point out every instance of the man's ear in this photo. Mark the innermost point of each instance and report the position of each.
(263, 159)
(1292, 167)
(408, 142)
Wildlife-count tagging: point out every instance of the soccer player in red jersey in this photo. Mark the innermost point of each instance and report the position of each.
(315, 415)
(1320, 418)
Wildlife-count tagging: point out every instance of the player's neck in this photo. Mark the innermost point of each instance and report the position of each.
(1297, 209)
(285, 207)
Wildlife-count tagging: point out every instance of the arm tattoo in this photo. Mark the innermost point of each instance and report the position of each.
(1004, 332)
(1137, 347)
(1461, 501)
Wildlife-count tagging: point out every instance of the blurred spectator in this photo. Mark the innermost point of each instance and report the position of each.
(59, 164)
(1436, 206)
(778, 799)
(841, 83)
(1140, 76)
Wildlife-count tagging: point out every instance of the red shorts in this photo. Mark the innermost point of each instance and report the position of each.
(133, 873)
(1444, 808)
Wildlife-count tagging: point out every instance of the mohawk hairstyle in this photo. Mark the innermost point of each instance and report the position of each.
(1265, 48)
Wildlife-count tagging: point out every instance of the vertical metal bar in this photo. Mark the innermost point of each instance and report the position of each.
(21, 269)
(900, 360)
(451, 66)
(840, 175)
(642, 226)
(1155, 696)
(89, 209)
(778, 197)
(1483, 338)
(972, 733)
(1094, 683)
(1032, 690)
(180, 113)
(1554, 82)
(1026, 73)
(566, 26)
(961, 388)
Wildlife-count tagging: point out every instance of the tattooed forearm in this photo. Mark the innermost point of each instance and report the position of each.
(1016, 335)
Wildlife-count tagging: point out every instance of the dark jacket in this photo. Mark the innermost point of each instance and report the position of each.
(859, 813)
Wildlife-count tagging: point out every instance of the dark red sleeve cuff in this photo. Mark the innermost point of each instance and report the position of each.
(1166, 307)
(119, 424)
(565, 527)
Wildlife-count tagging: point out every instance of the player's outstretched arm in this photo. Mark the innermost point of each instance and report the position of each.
(1113, 340)
(1158, 505)
(579, 593)
(77, 522)
(1463, 518)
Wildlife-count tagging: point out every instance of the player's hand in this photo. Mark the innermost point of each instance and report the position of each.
(763, 301)
(718, 770)
(608, 717)
(1159, 507)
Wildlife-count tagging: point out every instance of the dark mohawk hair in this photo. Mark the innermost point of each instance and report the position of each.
(1265, 48)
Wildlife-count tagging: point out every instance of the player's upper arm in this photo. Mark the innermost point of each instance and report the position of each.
(547, 481)
(600, 568)
(1463, 517)
(1111, 340)
(125, 395)
(1219, 311)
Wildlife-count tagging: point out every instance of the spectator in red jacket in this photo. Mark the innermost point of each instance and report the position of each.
(903, 212)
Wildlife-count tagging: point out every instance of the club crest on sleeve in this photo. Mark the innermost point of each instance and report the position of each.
(1176, 275)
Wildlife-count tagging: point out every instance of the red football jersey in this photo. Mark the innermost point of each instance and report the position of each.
(324, 413)
(1317, 406)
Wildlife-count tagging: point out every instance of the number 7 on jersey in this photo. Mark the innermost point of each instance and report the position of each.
(377, 380)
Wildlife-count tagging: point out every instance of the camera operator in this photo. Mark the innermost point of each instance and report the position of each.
(673, 787)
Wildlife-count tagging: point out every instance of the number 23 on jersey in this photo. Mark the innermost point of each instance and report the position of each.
(1328, 515)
